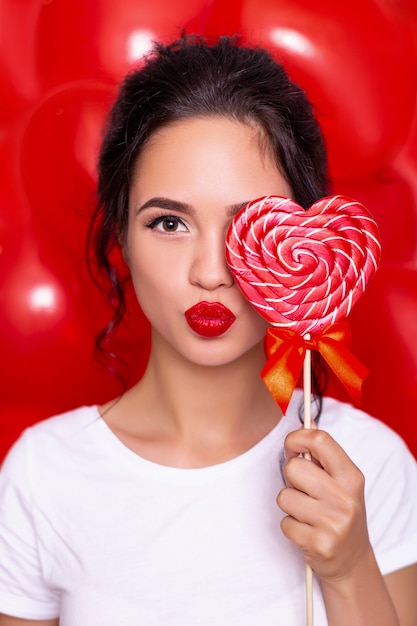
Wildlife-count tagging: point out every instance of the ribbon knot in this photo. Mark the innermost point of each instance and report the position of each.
(310, 343)
(285, 351)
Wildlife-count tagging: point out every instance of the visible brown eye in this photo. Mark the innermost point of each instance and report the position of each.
(167, 224)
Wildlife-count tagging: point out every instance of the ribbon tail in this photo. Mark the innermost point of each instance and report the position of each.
(345, 365)
(281, 373)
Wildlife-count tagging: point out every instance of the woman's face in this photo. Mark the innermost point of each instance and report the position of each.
(189, 181)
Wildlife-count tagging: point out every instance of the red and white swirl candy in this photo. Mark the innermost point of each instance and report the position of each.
(303, 270)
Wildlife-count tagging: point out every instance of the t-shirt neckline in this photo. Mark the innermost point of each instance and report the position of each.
(272, 440)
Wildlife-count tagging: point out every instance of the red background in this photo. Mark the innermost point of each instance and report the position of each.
(59, 63)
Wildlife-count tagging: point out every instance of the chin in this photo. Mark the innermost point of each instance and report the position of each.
(223, 356)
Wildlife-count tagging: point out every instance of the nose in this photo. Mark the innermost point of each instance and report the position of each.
(209, 268)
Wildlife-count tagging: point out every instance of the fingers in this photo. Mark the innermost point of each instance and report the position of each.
(331, 478)
(323, 501)
(307, 476)
(326, 452)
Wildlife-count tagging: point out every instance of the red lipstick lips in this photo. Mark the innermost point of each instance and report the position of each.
(209, 319)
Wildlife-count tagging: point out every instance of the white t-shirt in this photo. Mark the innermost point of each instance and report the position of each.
(95, 534)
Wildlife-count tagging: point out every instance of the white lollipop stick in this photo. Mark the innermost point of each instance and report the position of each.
(307, 455)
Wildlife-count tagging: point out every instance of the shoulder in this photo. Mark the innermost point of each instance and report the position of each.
(50, 439)
(379, 452)
(356, 430)
(390, 472)
(352, 428)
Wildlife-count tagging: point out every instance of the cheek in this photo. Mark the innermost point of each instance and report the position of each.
(255, 321)
(154, 281)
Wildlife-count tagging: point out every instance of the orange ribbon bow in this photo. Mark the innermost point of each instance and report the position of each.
(285, 355)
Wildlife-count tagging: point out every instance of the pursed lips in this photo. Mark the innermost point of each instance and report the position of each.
(209, 319)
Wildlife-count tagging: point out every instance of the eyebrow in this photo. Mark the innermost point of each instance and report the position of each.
(182, 207)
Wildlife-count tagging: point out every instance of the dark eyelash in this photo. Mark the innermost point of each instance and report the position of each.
(160, 218)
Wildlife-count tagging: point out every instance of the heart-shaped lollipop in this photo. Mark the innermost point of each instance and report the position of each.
(303, 270)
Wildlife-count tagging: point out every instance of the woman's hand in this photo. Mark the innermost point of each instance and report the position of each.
(326, 517)
(324, 504)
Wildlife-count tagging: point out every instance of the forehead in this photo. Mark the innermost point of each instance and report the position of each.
(207, 162)
(212, 138)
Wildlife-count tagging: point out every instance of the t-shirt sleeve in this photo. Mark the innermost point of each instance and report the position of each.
(23, 591)
(392, 507)
(390, 472)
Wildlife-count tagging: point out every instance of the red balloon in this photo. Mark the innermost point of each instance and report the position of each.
(385, 330)
(40, 310)
(407, 160)
(357, 65)
(224, 18)
(18, 76)
(15, 417)
(47, 331)
(111, 36)
(390, 199)
(405, 8)
(58, 157)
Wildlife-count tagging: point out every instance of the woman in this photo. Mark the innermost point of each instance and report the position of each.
(187, 500)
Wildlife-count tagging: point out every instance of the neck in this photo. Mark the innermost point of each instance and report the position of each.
(228, 402)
